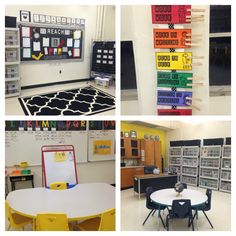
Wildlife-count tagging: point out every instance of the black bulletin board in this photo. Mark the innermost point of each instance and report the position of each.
(48, 42)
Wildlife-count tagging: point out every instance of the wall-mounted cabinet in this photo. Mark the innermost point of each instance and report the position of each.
(130, 148)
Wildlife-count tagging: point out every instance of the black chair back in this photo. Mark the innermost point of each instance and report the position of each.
(149, 169)
(208, 203)
(181, 208)
(149, 203)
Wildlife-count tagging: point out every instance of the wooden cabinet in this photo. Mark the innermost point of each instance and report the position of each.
(148, 151)
(130, 148)
(157, 155)
(127, 175)
(151, 151)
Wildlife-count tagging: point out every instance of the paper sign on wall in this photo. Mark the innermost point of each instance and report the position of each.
(177, 79)
(102, 147)
(59, 157)
(171, 38)
(171, 14)
(173, 98)
(174, 60)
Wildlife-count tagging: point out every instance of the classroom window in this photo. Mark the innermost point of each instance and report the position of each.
(220, 50)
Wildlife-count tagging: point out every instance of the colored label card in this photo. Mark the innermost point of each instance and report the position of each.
(174, 60)
(170, 14)
(171, 38)
(173, 98)
(174, 112)
(178, 80)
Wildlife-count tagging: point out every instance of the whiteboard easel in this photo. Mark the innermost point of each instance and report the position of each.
(59, 165)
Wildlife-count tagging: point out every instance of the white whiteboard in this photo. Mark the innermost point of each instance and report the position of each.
(59, 171)
(26, 145)
(103, 138)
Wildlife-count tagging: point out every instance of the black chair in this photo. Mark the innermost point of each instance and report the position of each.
(180, 209)
(152, 205)
(149, 169)
(185, 185)
(205, 206)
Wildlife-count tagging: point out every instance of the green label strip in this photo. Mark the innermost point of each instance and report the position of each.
(178, 80)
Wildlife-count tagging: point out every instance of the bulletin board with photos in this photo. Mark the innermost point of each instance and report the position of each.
(46, 42)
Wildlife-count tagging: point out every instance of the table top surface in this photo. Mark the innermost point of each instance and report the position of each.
(150, 176)
(166, 196)
(20, 175)
(83, 200)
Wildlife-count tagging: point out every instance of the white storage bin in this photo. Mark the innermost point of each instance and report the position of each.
(11, 71)
(11, 55)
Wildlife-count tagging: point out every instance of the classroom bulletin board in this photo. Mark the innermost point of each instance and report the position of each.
(49, 42)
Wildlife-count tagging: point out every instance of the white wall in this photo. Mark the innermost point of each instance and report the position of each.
(136, 25)
(212, 129)
(103, 171)
(41, 72)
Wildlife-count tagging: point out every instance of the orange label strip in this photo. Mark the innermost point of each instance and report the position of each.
(171, 38)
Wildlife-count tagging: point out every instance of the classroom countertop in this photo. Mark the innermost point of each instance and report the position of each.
(124, 167)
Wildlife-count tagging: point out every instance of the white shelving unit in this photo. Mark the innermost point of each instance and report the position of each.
(12, 62)
(210, 167)
(189, 170)
(225, 173)
(175, 154)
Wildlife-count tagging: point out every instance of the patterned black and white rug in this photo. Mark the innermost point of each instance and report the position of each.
(82, 101)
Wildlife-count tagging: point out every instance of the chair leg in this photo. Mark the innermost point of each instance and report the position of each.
(208, 219)
(148, 216)
(192, 219)
(167, 223)
(162, 221)
(154, 212)
(192, 224)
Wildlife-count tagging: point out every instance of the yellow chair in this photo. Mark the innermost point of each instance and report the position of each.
(106, 222)
(58, 185)
(16, 220)
(52, 222)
